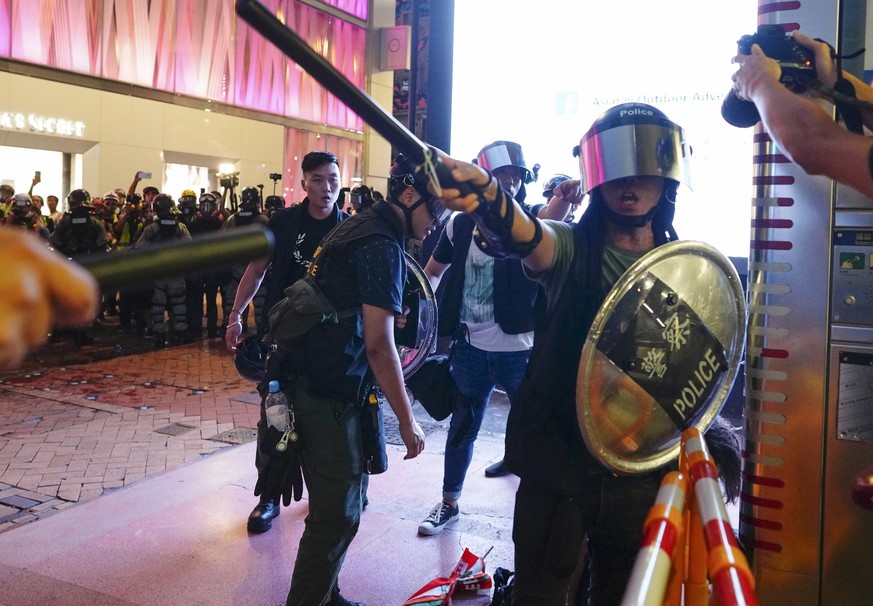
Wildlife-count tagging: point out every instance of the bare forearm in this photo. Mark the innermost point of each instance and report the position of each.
(809, 136)
(248, 285)
(385, 364)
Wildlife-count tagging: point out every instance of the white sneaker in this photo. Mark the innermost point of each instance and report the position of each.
(441, 515)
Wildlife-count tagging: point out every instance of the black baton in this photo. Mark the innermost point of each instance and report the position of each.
(296, 49)
(139, 266)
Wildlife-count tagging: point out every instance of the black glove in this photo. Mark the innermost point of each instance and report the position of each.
(279, 472)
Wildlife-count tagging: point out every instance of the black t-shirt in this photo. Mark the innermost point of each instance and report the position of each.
(380, 270)
(312, 232)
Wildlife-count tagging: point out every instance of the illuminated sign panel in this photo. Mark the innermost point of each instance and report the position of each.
(45, 125)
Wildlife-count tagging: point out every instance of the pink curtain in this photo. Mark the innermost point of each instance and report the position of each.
(260, 66)
(358, 8)
(298, 143)
(4, 28)
(197, 48)
(204, 49)
(59, 33)
(138, 38)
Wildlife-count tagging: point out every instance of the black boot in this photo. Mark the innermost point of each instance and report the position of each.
(261, 517)
(337, 600)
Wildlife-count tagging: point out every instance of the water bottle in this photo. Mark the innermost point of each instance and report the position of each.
(276, 406)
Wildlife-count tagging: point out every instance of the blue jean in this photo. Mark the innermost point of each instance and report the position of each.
(476, 372)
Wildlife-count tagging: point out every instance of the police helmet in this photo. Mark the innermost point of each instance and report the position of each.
(362, 198)
(164, 205)
(550, 185)
(633, 140)
(250, 199)
(402, 175)
(250, 359)
(274, 202)
(21, 200)
(506, 153)
(78, 197)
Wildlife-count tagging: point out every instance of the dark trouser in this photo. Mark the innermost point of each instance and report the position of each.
(211, 285)
(194, 304)
(169, 296)
(332, 469)
(548, 531)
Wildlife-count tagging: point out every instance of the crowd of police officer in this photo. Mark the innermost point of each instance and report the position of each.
(170, 311)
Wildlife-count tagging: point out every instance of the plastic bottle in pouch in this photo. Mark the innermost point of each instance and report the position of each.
(276, 406)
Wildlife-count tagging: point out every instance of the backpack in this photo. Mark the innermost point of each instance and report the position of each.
(304, 307)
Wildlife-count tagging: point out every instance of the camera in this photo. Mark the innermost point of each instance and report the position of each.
(797, 63)
(229, 180)
(275, 176)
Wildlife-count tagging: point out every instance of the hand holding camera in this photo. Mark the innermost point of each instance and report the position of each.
(792, 63)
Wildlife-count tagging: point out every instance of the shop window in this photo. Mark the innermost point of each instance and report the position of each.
(179, 177)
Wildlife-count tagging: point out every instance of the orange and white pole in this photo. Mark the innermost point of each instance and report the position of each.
(662, 535)
(729, 571)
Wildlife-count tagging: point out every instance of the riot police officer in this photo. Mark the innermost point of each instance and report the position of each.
(168, 295)
(79, 232)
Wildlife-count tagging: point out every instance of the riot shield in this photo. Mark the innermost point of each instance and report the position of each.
(661, 355)
(417, 340)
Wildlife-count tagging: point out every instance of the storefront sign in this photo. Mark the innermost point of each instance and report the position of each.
(42, 124)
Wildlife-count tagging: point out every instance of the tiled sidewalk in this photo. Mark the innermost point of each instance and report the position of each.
(70, 434)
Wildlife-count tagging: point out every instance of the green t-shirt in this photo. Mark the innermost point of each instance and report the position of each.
(615, 262)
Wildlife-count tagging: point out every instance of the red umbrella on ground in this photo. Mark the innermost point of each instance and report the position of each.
(468, 575)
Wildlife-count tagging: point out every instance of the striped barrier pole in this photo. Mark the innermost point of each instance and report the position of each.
(662, 532)
(729, 571)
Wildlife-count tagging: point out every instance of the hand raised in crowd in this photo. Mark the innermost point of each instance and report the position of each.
(38, 289)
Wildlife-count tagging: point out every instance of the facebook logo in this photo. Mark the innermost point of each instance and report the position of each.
(566, 103)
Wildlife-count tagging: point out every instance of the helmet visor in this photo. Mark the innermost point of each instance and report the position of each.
(634, 150)
(439, 211)
(504, 153)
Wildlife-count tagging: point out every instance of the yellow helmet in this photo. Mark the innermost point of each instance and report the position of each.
(188, 199)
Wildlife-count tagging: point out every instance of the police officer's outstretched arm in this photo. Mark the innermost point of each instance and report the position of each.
(499, 215)
(385, 364)
(803, 130)
(38, 289)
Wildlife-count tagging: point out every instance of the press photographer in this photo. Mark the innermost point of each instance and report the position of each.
(804, 131)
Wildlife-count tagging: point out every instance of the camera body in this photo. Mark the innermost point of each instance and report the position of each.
(230, 180)
(276, 176)
(795, 60)
(797, 63)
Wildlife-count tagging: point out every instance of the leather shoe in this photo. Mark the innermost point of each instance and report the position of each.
(497, 470)
(337, 600)
(261, 517)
